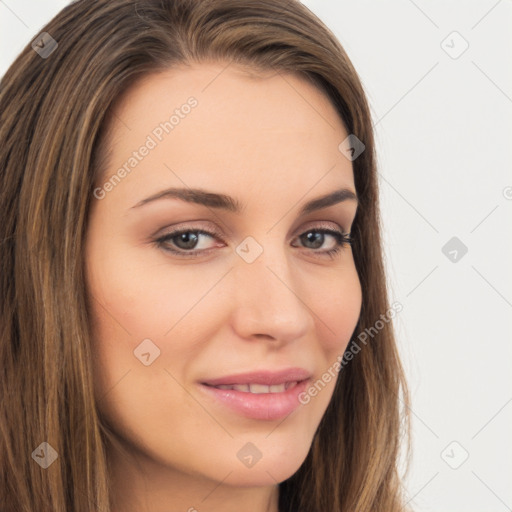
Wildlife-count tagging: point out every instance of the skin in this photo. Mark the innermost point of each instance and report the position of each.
(271, 142)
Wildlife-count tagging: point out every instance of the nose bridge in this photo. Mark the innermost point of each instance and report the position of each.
(267, 300)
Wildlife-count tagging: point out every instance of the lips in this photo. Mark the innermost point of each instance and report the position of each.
(259, 395)
(265, 378)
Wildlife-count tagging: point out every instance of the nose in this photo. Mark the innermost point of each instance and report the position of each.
(270, 299)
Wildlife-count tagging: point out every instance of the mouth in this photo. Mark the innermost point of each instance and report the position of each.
(257, 389)
(260, 395)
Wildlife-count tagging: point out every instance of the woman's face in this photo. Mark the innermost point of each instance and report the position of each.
(259, 296)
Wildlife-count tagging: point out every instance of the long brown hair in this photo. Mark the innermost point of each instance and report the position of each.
(53, 112)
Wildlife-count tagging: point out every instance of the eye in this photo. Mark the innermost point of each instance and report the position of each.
(316, 237)
(184, 242)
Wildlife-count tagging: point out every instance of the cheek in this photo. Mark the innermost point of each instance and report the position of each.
(139, 296)
(339, 306)
(133, 299)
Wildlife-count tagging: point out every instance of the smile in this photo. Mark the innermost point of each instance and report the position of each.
(259, 388)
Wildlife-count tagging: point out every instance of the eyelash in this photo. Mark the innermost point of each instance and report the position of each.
(342, 240)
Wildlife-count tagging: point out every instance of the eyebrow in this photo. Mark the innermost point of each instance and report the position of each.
(228, 203)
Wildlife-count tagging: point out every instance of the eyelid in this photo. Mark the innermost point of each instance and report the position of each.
(185, 226)
(322, 224)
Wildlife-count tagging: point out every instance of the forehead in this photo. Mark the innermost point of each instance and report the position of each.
(262, 129)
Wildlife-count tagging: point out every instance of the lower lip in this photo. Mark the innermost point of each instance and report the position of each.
(259, 406)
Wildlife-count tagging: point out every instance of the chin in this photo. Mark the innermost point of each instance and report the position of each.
(277, 464)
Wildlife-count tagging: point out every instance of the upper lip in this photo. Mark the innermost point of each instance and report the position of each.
(265, 377)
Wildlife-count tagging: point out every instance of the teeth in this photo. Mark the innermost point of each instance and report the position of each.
(259, 388)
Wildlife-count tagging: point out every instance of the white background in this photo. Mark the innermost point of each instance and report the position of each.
(443, 128)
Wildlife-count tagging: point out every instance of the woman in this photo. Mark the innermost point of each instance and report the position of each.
(143, 369)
